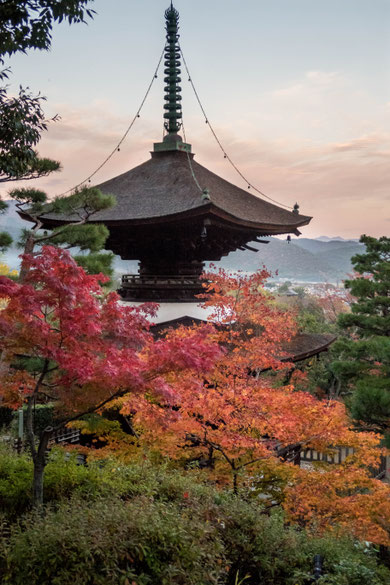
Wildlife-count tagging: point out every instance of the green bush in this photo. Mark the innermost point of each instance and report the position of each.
(15, 483)
(112, 542)
(111, 523)
(186, 541)
(64, 478)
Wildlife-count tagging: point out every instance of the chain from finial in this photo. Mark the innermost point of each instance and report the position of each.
(173, 113)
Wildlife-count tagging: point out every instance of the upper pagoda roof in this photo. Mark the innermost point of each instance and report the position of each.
(163, 189)
(172, 187)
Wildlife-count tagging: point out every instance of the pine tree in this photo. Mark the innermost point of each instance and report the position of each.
(78, 207)
(363, 364)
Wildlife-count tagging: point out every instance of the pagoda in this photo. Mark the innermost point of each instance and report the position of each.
(173, 214)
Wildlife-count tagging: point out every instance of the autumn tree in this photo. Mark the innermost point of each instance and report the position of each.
(242, 421)
(64, 341)
(363, 354)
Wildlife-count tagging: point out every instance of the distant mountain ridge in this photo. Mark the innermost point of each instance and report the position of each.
(338, 238)
(320, 259)
(306, 260)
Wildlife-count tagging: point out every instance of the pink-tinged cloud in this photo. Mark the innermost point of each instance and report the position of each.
(344, 185)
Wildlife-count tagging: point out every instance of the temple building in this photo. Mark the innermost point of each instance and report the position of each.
(172, 214)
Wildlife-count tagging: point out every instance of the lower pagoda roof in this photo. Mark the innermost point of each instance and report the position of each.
(163, 189)
(306, 345)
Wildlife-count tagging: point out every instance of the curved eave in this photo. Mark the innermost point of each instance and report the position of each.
(301, 347)
(162, 190)
(306, 345)
(208, 210)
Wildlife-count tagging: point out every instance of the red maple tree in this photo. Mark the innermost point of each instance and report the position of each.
(62, 339)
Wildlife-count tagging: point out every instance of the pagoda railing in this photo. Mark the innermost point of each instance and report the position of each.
(338, 455)
(160, 287)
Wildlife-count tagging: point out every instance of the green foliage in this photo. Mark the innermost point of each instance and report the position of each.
(27, 24)
(300, 290)
(86, 237)
(114, 542)
(112, 523)
(96, 263)
(284, 288)
(15, 483)
(347, 562)
(21, 124)
(311, 319)
(85, 199)
(363, 355)
(5, 241)
(30, 196)
(44, 416)
(370, 314)
(77, 208)
(320, 380)
(263, 549)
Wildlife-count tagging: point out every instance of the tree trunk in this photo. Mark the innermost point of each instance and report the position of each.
(28, 249)
(39, 467)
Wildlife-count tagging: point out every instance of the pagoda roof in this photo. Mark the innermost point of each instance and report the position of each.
(306, 345)
(172, 188)
(163, 189)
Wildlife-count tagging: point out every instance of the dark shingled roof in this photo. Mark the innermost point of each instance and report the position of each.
(163, 187)
(300, 347)
(305, 345)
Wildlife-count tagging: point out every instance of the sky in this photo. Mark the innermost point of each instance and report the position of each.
(298, 93)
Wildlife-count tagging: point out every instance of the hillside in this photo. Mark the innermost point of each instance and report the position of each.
(304, 259)
(287, 259)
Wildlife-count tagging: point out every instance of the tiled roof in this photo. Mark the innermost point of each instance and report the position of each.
(164, 187)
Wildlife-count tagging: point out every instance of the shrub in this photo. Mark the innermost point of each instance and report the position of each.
(15, 483)
(64, 478)
(111, 542)
(111, 523)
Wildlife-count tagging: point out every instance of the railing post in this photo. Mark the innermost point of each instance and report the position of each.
(318, 560)
(19, 440)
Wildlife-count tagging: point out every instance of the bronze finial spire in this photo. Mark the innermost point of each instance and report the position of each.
(172, 73)
(172, 79)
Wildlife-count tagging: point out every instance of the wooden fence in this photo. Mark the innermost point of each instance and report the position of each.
(339, 455)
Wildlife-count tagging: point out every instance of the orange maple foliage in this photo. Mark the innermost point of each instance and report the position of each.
(239, 424)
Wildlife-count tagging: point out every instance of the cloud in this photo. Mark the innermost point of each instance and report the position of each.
(312, 82)
(368, 143)
(323, 77)
(343, 184)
